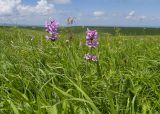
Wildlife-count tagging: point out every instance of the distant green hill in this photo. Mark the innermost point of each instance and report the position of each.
(128, 31)
(121, 30)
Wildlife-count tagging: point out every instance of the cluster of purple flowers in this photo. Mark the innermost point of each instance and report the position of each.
(90, 57)
(52, 28)
(91, 37)
(91, 42)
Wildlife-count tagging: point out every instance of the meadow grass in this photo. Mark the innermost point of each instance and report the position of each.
(43, 77)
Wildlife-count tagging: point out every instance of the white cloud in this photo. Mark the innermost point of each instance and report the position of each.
(98, 13)
(133, 16)
(12, 7)
(61, 1)
(141, 18)
(42, 8)
(130, 15)
(16, 12)
(7, 6)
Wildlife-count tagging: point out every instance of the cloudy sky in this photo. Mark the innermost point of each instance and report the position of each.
(86, 12)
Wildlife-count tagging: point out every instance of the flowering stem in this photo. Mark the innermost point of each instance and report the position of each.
(98, 69)
(91, 50)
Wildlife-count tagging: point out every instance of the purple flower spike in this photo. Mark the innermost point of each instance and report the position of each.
(53, 37)
(92, 43)
(90, 57)
(52, 28)
(92, 38)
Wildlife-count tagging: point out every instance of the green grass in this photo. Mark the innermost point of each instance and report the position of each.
(44, 77)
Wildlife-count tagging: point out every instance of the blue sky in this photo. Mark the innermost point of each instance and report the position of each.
(86, 12)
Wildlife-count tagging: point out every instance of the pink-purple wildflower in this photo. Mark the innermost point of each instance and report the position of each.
(90, 57)
(53, 37)
(92, 38)
(91, 42)
(52, 28)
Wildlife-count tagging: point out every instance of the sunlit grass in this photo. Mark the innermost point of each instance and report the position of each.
(39, 76)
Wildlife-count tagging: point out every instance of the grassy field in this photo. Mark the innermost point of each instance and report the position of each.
(43, 77)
